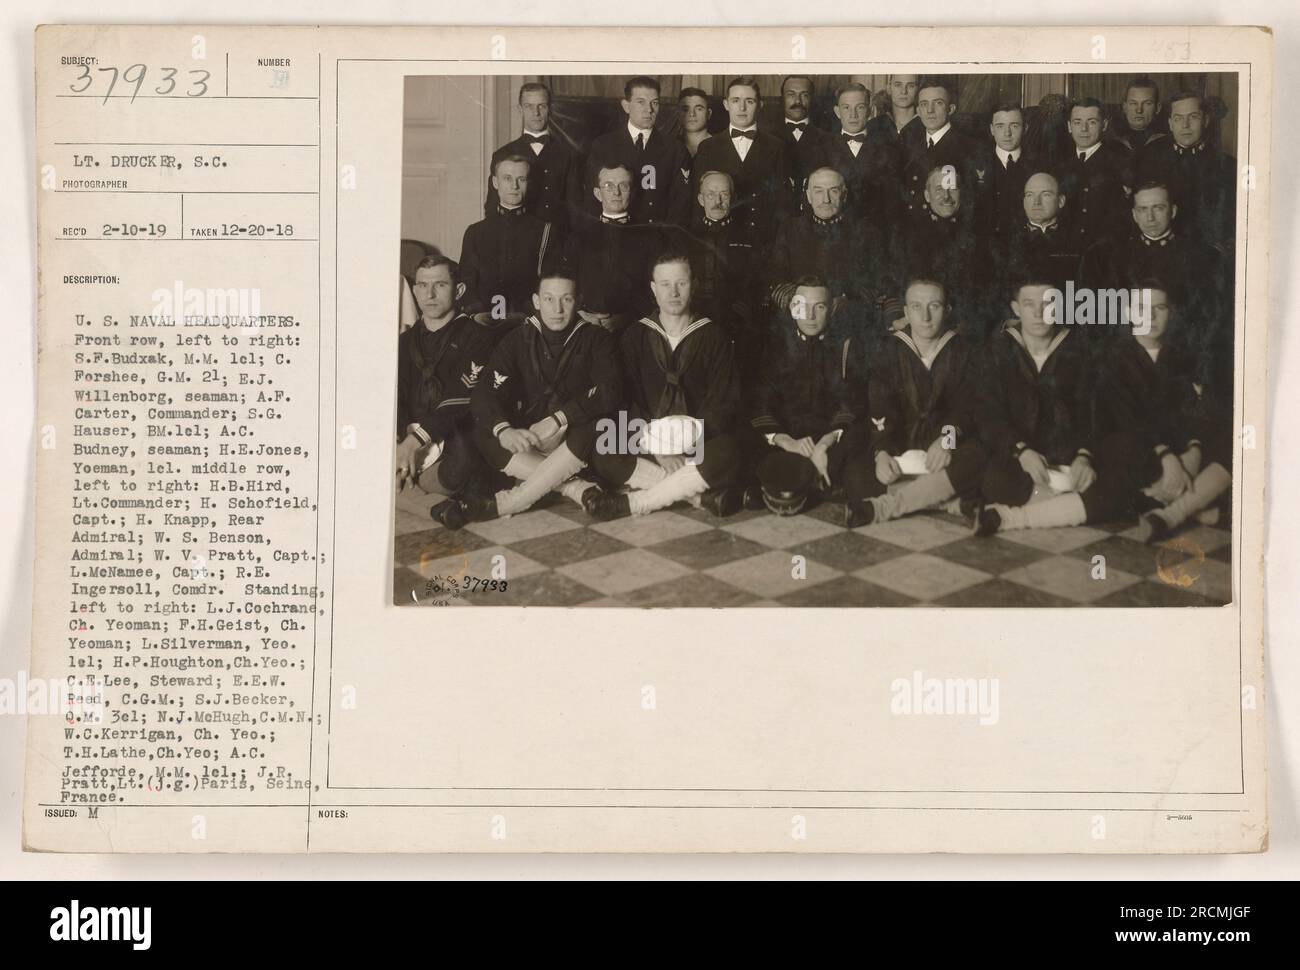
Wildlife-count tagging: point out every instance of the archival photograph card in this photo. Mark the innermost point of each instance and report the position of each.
(588, 440)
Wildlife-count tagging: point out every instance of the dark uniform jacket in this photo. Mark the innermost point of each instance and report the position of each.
(1052, 253)
(1190, 269)
(805, 154)
(699, 378)
(724, 262)
(436, 373)
(1134, 142)
(613, 261)
(808, 386)
(950, 250)
(846, 252)
(955, 148)
(1095, 193)
(1165, 401)
(1202, 183)
(1000, 190)
(526, 382)
(910, 405)
(1049, 410)
(762, 191)
(502, 256)
(663, 164)
(872, 177)
(553, 177)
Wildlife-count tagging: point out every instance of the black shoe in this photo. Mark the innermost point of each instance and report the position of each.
(604, 505)
(754, 498)
(478, 508)
(859, 513)
(723, 502)
(968, 507)
(449, 513)
(1152, 528)
(987, 522)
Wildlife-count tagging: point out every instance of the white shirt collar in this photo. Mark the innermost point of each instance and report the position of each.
(617, 217)
(537, 134)
(936, 136)
(1003, 155)
(802, 124)
(633, 131)
(1087, 152)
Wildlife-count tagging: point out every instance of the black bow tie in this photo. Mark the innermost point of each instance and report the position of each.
(796, 124)
(613, 221)
(860, 138)
(737, 133)
(538, 139)
(503, 211)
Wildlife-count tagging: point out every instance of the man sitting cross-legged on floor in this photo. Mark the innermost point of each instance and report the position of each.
(681, 376)
(921, 399)
(1156, 427)
(1167, 443)
(439, 361)
(548, 382)
(809, 404)
(1036, 418)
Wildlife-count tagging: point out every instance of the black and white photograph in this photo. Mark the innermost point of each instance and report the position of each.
(811, 340)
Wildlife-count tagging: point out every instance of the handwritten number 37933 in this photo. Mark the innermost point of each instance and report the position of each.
(135, 75)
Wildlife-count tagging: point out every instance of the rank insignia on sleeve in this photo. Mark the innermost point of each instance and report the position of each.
(879, 423)
(470, 379)
(498, 379)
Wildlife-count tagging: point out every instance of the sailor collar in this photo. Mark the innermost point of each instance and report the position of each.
(574, 327)
(926, 359)
(657, 327)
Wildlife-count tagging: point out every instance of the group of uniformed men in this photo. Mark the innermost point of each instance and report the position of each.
(873, 316)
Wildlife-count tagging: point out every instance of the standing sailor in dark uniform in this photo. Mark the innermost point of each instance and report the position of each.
(1141, 125)
(693, 112)
(502, 255)
(1096, 178)
(805, 143)
(1004, 168)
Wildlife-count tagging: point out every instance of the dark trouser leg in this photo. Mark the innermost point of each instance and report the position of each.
(723, 460)
(1125, 465)
(858, 466)
(1004, 482)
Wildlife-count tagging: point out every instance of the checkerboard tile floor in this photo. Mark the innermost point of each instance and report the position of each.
(555, 555)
